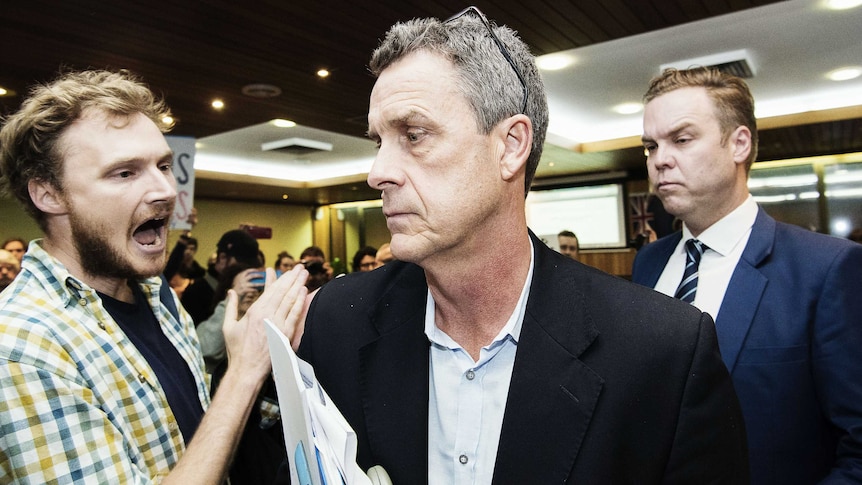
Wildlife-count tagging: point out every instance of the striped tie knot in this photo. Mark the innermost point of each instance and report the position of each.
(688, 286)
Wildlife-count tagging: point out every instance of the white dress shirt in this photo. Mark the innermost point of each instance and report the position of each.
(726, 239)
(467, 398)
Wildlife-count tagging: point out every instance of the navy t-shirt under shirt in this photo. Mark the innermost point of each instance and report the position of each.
(140, 325)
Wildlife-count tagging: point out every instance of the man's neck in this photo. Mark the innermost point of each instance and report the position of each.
(708, 215)
(116, 288)
(473, 302)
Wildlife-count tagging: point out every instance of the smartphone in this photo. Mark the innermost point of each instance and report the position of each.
(259, 277)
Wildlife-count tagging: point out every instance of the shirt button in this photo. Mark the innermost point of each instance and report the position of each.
(141, 378)
(102, 325)
(82, 301)
(463, 459)
(471, 375)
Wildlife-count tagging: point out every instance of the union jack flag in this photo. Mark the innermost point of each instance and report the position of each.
(639, 213)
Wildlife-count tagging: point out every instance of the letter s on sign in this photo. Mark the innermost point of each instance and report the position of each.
(182, 175)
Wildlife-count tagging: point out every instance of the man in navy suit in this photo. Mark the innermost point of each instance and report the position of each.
(481, 355)
(787, 302)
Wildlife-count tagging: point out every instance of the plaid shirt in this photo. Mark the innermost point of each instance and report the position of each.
(78, 402)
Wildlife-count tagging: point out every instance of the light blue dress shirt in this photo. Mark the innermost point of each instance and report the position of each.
(467, 399)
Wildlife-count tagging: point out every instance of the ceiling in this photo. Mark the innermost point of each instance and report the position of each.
(194, 51)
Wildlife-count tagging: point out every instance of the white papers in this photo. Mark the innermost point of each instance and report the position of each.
(321, 446)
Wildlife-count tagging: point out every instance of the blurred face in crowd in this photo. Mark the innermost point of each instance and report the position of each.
(189, 254)
(285, 264)
(384, 255)
(569, 246)
(367, 263)
(17, 249)
(9, 268)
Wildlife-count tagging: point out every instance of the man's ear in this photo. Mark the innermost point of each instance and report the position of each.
(740, 140)
(46, 197)
(518, 142)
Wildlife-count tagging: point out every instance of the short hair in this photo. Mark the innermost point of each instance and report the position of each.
(734, 104)
(567, 233)
(312, 252)
(8, 258)
(487, 81)
(29, 138)
(14, 239)
(282, 255)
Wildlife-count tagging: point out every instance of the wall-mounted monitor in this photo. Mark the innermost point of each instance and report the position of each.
(594, 213)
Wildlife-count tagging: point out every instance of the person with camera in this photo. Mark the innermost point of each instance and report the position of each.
(235, 246)
(319, 270)
(247, 282)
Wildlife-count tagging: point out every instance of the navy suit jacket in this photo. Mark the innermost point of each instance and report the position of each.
(790, 332)
(612, 382)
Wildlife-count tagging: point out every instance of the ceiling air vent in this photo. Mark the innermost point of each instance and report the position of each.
(261, 91)
(737, 63)
(296, 146)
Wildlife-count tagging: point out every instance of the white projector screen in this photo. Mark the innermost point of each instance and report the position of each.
(595, 214)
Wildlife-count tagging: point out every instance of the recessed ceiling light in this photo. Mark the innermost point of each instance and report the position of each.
(167, 120)
(3, 92)
(283, 123)
(218, 104)
(628, 108)
(284, 196)
(845, 73)
(842, 4)
(323, 73)
(554, 62)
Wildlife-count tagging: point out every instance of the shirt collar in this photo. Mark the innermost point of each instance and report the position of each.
(723, 236)
(53, 274)
(511, 329)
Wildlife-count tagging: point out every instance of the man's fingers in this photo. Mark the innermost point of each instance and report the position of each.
(230, 312)
(275, 302)
(299, 329)
(295, 313)
(297, 285)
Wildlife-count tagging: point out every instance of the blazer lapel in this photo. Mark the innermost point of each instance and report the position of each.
(548, 382)
(394, 387)
(744, 291)
(656, 256)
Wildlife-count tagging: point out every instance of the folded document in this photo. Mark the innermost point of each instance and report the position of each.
(321, 445)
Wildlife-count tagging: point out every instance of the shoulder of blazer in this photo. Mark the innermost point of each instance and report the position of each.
(371, 302)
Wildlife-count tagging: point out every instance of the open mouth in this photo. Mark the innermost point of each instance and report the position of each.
(151, 232)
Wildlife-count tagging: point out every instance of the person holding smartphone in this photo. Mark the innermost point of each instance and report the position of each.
(245, 280)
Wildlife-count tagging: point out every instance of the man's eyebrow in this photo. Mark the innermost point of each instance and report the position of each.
(674, 131)
(409, 117)
(168, 156)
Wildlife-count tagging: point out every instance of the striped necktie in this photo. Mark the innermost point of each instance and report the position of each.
(688, 286)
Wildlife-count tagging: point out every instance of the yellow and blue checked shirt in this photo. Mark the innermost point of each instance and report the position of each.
(78, 402)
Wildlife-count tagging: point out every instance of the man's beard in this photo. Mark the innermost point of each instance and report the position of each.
(99, 258)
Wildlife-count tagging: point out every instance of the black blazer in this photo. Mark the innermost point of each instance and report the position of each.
(612, 382)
